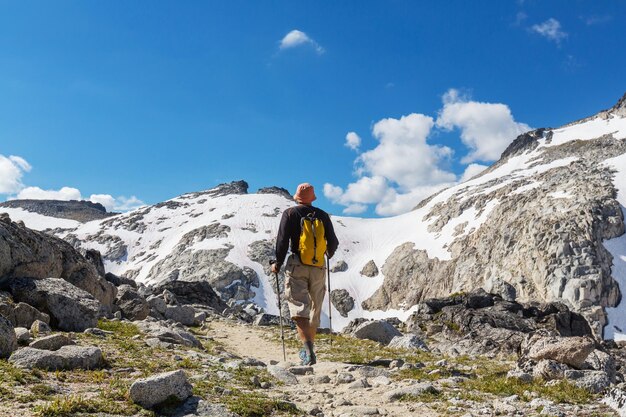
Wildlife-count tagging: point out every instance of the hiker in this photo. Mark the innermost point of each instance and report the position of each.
(305, 269)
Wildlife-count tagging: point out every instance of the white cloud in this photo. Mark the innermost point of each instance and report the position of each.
(486, 128)
(404, 168)
(353, 141)
(297, 38)
(597, 20)
(36, 193)
(107, 200)
(120, 203)
(128, 203)
(471, 171)
(550, 29)
(403, 156)
(11, 171)
(354, 209)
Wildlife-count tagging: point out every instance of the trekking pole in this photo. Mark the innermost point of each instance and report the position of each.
(280, 312)
(330, 307)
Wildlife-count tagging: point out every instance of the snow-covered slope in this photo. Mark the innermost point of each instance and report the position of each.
(534, 226)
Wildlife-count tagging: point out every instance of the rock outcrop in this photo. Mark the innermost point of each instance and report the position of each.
(25, 253)
(69, 307)
(82, 211)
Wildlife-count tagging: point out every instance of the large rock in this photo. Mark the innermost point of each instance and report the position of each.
(194, 292)
(8, 339)
(342, 301)
(133, 305)
(408, 341)
(26, 253)
(572, 351)
(69, 307)
(66, 358)
(182, 314)
(377, 330)
(167, 334)
(156, 389)
(52, 342)
(411, 390)
(480, 323)
(26, 315)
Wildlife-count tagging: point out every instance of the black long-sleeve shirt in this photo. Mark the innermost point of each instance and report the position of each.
(289, 231)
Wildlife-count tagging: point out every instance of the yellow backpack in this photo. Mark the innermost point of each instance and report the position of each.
(312, 245)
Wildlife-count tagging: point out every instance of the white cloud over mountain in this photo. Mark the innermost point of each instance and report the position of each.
(406, 167)
(486, 128)
(13, 168)
(297, 38)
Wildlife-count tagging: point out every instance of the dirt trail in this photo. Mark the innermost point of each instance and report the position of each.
(313, 391)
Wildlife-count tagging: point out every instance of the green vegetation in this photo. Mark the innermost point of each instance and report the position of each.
(499, 384)
(119, 328)
(70, 405)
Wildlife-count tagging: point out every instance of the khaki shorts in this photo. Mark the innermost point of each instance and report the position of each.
(305, 288)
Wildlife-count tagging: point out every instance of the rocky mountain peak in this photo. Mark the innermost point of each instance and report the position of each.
(275, 190)
(619, 109)
(82, 211)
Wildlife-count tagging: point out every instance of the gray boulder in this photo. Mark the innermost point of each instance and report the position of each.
(157, 304)
(8, 339)
(25, 315)
(265, 319)
(156, 389)
(593, 381)
(167, 334)
(282, 375)
(23, 335)
(52, 342)
(548, 369)
(194, 292)
(39, 328)
(37, 255)
(182, 314)
(411, 390)
(342, 301)
(377, 330)
(572, 351)
(408, 341)
(196, 407)
(69, 307)
(133, 306)
(66, 358)
(370, 269)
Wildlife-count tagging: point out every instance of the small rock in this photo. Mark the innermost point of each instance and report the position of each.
(396, 364)
(415, 390)
(571, 351)
(549, 370)
(182, 314)
(282, 375)
(25, 315)
(301, 370)
(519, 374)
(339, 266)
(39, 328)
(23, 335)
(344, 378)
(370, 269)
(97, 332)
(408, 341)
(442, 363)
(265, 319)
(380, 381)
(199, 318)
(359, 383)
(156, 389)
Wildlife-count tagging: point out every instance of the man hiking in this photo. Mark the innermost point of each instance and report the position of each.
(308, 231)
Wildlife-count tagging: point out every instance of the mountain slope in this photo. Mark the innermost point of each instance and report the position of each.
(544, 223)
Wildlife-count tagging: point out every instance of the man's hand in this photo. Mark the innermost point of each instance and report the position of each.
(275, 268)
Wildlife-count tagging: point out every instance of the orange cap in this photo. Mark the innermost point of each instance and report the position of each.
(305, 194)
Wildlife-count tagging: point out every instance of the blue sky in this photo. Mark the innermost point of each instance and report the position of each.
(152, 99)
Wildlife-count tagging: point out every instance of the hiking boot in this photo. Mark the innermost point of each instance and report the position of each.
(306, 359)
